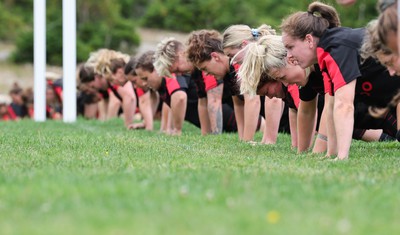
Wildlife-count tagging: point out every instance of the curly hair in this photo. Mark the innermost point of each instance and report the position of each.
(101, 59)
(201, 44)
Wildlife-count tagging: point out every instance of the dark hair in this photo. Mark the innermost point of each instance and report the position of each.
(116, 64)
(130, 66)
(16, 89)
(387, 22)
(201, 43)
(382, 5)
(315, 21)
(86, 74)
(146, 61)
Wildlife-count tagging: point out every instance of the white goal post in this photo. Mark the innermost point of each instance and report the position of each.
(69, 60)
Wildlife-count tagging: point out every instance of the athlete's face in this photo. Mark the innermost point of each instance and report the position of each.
(391, 62)
(3, 109)
(181, 64)
(270, 88)
(235, 52)
(50, 95)
(303, 51)
(149, 79)
(290, 74)
(98, 83)
(119, 77)
(218, 65)
(392, 42)
(136, 81)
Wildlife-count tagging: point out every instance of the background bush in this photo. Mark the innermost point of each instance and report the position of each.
(112, 24)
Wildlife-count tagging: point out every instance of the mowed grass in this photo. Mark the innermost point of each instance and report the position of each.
(94, 177)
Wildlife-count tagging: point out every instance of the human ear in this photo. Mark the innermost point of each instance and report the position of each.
(291, 60)
(310, 40)
(215, 55)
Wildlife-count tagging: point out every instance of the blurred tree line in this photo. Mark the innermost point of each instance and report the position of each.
(112, 24)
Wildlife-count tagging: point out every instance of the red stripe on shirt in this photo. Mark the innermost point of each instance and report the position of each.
(210, 81)
(172, 85)
(334, 76)
(139, 92)
(294, 92)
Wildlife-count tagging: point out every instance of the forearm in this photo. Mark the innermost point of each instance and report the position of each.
(344, 118)
(164, 127)
(321, 142)
(273, 114)
(239, 115)
(330, 126)
(178, 110)
(113, 106)
(306, 119)
(90, 111)
(398, 115)
(293, 126)
(146, 110)
(203, 116)
(102, 108)
(214, 108)
(128, 102)
(251, 116)
(344, 124)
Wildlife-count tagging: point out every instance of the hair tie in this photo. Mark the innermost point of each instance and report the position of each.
(315, 13)
(255, 33)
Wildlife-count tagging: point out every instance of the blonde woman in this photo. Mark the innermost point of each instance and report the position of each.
(205, 51)
(97, 73)
(234, 39)
(214, 112)
(388, 22)
(267, 60)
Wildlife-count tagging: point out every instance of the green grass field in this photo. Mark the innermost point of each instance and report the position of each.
(97, 178)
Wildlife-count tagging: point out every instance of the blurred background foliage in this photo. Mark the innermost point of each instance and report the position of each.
(112, 24)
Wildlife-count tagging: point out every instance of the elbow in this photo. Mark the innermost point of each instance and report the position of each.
(343, 107)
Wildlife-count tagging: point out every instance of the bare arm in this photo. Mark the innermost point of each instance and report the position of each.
(178, 110)
(90, 110)
(273, 114)
(321, 142)
(251, 115)
(214, 107)
(306, 124)
(293, 126)
(113, 106)
(344, 118)
(398, 116)
(239, 115)
(102, 108)
(146, 109)
(165, 113)
(128, 102)
(330, 127)
(203, 116)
